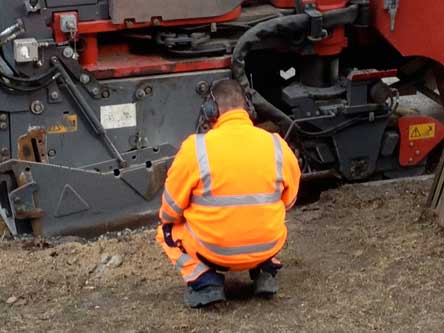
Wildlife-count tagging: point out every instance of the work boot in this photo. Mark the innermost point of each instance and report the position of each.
(207, 289)
(203, 297)
(265, 284)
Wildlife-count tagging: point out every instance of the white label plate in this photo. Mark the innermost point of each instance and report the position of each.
(118, 116)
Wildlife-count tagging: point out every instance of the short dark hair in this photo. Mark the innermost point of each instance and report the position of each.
(229, 95)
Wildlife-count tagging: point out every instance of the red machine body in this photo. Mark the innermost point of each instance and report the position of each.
(416, 31)
(106, 61)
(398, 28)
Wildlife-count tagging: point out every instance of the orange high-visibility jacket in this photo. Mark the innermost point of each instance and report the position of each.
(231, 187)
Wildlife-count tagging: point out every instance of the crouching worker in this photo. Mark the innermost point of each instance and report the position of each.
(223, 208)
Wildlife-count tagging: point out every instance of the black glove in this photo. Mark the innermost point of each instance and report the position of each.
(168, 234)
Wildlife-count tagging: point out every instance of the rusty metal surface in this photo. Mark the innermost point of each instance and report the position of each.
(32, 146)
(144, 11)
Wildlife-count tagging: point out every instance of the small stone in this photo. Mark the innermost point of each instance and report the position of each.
(21, 302)
(115, 261)
(11, 300)
(105, 259)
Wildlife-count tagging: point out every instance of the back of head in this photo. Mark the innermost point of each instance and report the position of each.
(229, 95)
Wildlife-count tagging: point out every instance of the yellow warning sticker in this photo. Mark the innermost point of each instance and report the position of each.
(422, 131)
(68, 124)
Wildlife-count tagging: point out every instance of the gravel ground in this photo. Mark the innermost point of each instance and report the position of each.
(362, 258)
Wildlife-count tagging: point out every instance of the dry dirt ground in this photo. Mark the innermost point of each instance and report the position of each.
(361, 259)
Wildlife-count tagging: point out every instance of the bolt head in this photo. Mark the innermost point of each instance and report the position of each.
(85, 79)
(54, 95)
(411, 144)
(418, 152)
(37, 107)
(68, 52)
(140, 93)
(5, 151)
(411, 160)
(3, 117)
(148, 90)
(105, 94)
(71, 25)
(95, 91)
(156, 22)
(51, 153)
(203, 87)
(3, 126)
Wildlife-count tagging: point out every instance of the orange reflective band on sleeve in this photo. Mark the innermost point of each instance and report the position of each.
(207, 199)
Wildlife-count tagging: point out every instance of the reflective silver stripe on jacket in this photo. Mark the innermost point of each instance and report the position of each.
(204, 165)
(199, 270)
(170, 201)
(279, 162)
(167, 217)
(207, 199)
(237, 200)
(232, 250)
(182, 261)
(291, 204)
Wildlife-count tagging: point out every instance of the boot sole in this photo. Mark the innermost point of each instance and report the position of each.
(202, 298)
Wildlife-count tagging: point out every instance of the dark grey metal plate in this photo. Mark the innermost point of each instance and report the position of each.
(144, 11)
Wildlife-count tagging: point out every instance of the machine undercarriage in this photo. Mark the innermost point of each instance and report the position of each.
(97, 95)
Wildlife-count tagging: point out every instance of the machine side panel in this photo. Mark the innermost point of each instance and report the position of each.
(143, 11)
(414, 27)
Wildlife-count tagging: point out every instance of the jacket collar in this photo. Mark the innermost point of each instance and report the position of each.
(233, 116)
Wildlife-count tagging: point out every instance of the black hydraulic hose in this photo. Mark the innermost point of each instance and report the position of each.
(264, 107)
(336, 17)
(9, 81)
(31, 80)
(30, 88)
(292, 26)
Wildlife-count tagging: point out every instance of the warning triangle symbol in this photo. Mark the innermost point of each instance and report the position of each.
(416, 133)
(70, 202)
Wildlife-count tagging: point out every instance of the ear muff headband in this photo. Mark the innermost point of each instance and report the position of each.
(210, 108)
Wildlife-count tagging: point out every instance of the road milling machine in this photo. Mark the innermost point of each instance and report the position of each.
(96, 96)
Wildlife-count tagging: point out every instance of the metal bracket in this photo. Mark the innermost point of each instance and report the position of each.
(9, 221)
(392, 7)
(317, 33)
(32, 6)
(23, 202)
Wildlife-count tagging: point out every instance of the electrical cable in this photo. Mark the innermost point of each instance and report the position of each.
(29, 88)
(31, 79)
(30, 84)
(331, 130)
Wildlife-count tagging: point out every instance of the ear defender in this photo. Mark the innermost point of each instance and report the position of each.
(209, 108)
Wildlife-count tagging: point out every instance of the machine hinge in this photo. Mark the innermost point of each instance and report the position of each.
(392, 7)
